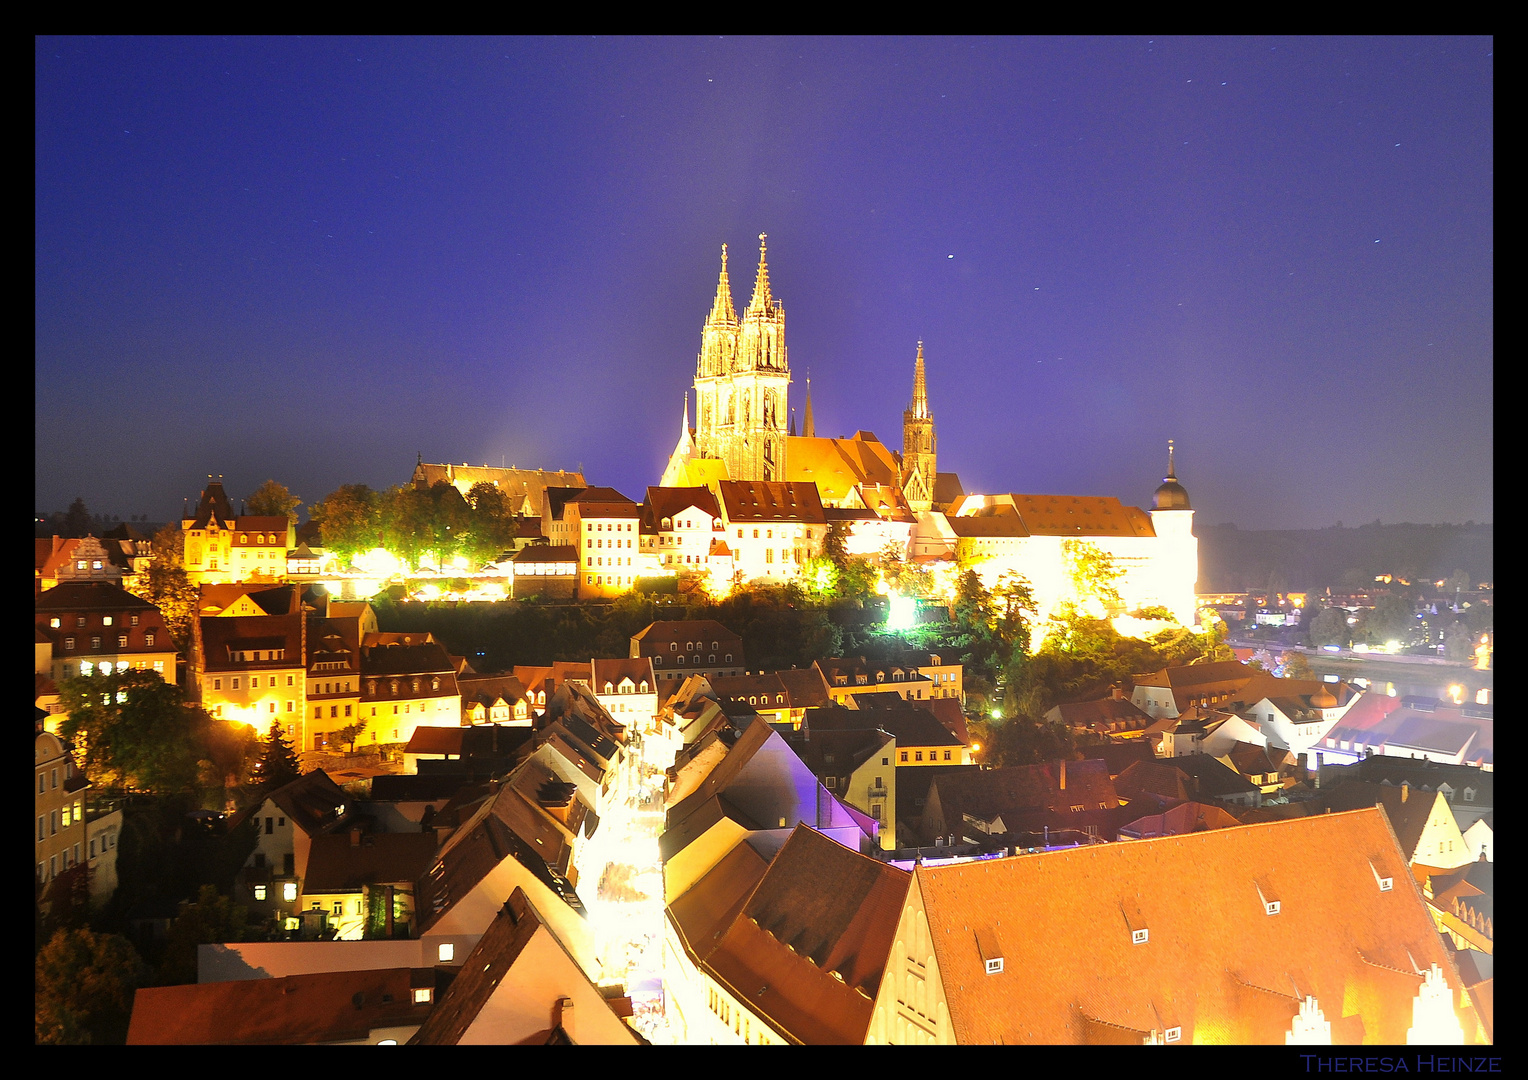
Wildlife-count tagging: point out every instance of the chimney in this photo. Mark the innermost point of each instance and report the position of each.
(562, 1016)
(1116, 693)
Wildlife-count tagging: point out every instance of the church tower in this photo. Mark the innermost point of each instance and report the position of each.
(742, 379)
(918, 444)
(1175, 566)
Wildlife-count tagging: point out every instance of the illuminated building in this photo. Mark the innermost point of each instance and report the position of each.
(406, 681)
(601, 524)
(523, 488)
(771, 528)
(681, 648)
(1105, 944)
(222, 547)
(742, 381)
(285, 823)
(918, 444)
(252, 669)
(92, 626)
(59, 807)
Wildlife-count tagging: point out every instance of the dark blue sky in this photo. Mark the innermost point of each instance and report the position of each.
(311, 259)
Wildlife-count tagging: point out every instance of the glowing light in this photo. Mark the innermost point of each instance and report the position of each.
(1456, 692)
(901, 613)
(379, 562)
(997, 714)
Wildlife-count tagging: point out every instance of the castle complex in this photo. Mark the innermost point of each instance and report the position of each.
(745, 432)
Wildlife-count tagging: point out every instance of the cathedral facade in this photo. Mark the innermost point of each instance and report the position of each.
(742, 381)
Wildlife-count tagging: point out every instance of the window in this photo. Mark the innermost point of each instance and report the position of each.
(1271, 907)
(121, 641)
(995, 966)
(445, 953)
(423, 995)
(148, 638)
(95, 642)
(234, 683)
(947, 755)
(289, 891)
(260, 892)
(904, 755)
(1138, 937)
(918, 755)
(1173, 1034)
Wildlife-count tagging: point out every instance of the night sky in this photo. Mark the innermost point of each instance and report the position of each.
(310, 260)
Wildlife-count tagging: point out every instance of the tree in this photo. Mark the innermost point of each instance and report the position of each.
(83, 986)
(77, 521)
(405, 514)
(835, 544)
(274, 500)
(1458, 642)
(212, 920)
(1296, 666)
(349, 522)
(134, 731)
(277, 765)
(167, 587)
(351, 732)
(491, 526)
(1093, 574)
(1391, 620)
(1330, 627)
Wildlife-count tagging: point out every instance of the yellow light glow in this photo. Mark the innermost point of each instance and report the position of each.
(1456, 692)
(379, 562)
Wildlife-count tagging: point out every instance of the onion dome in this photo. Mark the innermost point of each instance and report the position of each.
(1323, 699)
(1170, 496)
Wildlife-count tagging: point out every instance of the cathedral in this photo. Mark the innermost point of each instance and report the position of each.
(745, 433)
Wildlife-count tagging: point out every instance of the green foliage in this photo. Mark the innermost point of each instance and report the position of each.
(350, 733)
(133, 732)
(1296, 666)
(349, 520)
(277, 765)
(1093, 573)
(1020, 740)
(1458, 642)
(83, 985)
(1330, 627)
(213, 919)
(273, 500)
(835, 544)
(1392, 619)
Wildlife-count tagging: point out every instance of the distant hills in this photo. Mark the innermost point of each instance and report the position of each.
(1237, 560)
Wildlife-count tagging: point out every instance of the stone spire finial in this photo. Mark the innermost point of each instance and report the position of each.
(919, 407)
(684, 425)
(808, 429)
(1171, 475)
(722, 310)
(761, 296)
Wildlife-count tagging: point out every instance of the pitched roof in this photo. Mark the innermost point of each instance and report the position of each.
(344, 861)
(808, 947)
(329, 1006)
(1189, 817)
(72, 596)
(912, 726)
(1214, 963)
(669, 502)
(771, 500)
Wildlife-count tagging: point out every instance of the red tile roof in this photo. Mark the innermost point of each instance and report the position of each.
(1065, 920)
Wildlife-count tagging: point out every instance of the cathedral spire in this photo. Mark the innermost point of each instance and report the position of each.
(722, 311)
(762, 300)
(684, 425)
(919, 407)
(808, 430)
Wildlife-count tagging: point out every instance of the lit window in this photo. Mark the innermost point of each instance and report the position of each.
(423, 995)
(260, 892)
(289, 891)
(446, 953)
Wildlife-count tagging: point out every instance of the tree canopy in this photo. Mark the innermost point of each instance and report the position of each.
(134, 732)
(277, 765)
(273, 500)
(83, 985)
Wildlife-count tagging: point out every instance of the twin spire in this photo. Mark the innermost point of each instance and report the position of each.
(723, 313)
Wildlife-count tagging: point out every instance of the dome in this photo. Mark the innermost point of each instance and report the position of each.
(1323, 699)
(1170, 496)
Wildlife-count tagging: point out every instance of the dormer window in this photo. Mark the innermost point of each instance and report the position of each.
(1139, 937)
(995, 966)
(1271, 907)
(1172, 1034)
